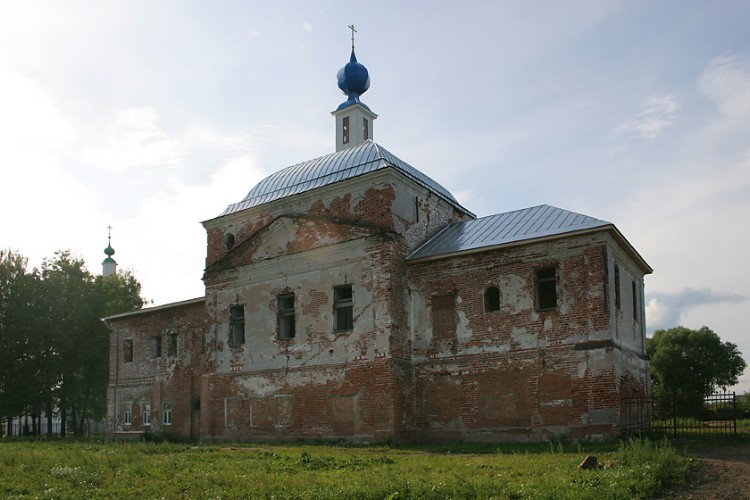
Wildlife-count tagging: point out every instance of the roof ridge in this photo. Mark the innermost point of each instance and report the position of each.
(332, 168)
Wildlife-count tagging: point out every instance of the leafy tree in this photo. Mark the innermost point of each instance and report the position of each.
(53, 346)
(18, 346)
(693, 362)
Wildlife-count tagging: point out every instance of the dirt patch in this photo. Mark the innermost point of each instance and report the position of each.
(720, 473)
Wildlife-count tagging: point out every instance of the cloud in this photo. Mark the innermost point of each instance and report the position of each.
(307, 27)
(668, 309)
(658, 114)
(134, 139)
(30, 117)
(726, 81)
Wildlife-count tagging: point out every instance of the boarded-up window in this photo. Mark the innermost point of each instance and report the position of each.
(443, 317)
(284, 410)
(233, 412)
(344, 412)
(365, 128)
(261, 412)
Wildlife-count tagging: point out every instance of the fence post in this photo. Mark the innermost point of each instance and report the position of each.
(734, 411)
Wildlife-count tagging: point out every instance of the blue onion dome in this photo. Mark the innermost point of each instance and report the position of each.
(109, 251)
(354, 80)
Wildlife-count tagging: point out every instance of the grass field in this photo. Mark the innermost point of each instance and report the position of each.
(63, 469)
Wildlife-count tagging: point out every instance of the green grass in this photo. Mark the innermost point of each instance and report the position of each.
(61, 469)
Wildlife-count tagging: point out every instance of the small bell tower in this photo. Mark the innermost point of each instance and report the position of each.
(109, 265)
(354, 119)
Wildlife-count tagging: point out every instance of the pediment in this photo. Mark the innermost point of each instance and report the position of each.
(287, 235)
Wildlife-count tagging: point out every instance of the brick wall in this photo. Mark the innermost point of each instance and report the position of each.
(173, 378)
(517, 372)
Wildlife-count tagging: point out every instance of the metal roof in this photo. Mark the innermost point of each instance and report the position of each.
(509, 227)
(336, 167)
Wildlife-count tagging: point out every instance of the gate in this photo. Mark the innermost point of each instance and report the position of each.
(678, 416)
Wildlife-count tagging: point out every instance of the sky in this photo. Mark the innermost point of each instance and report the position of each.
(152, 117)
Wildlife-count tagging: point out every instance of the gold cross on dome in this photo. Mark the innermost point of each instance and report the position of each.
(351, 27)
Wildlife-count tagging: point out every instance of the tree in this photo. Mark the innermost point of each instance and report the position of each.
(53, 346)
(19, 348)
(693, 362)
(76, 301)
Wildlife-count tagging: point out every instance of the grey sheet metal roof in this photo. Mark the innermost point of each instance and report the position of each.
(336, 167)
(509, 227)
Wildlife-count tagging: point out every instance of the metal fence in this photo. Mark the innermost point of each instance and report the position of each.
(679, 416)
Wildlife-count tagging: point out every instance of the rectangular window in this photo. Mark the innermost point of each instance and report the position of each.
(127, 416)
(172, 344)
(345, 130)
(127, 351)
(365, 128)
(546, 288)
(146, 413)
(635, 302)
(237, 324)
(286, 316)
(617, 287)
(156, 347)
(342, 308)
(166, 414)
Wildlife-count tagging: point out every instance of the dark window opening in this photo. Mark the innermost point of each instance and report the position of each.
(342, 308)
(127, 354)
(365, 128)
(546, 288)
(605, 260)
(635, 302)
(492, 299)
(172, 349)
(237, 324)
(156, 347)
(345, 130)
(286, 316)
(617, 287)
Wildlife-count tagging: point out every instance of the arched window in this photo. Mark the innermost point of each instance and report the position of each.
(492, 299)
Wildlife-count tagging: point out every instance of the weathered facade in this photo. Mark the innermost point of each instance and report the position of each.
(351, 296)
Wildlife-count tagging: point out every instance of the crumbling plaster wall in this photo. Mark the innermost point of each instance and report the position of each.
(356, 384)
(518, 373)
(383, 198)
(170, 378)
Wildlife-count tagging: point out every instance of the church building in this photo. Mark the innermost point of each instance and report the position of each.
(353, 297)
